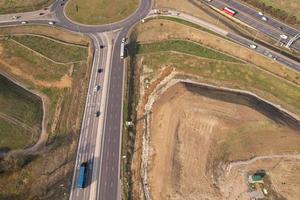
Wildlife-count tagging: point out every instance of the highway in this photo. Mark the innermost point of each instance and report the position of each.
(100, 136)
(249, 16)
(89, 128)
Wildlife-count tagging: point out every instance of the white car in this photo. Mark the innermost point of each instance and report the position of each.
(283, 36)
(260, 13)
(51, 23)
(264, 18)
(253, 46)
(24, 22)
(15, 17)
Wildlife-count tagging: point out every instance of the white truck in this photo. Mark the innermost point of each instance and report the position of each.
(122, 50)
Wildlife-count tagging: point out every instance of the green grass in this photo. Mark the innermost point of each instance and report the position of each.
(184, 47)
(100, 11)
(15, 6)
(52, 49)
(19, 103)
(22, 106)
(37, 66)
(12, 136)
(240, 76)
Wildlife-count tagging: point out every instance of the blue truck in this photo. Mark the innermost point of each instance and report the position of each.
(82, 175)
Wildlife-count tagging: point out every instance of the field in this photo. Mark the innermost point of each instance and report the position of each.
(20, 116)
(60, 74)
(183, 54)
(7, 6)
(221, 132)
(100, 12)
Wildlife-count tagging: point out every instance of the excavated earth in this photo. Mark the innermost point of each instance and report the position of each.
(196, 132)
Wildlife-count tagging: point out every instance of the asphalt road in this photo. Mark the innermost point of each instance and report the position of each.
(89, 128)
(249, 16)
(63, 21)
(105, 168)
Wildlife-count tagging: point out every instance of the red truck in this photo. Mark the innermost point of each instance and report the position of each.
(229, 11)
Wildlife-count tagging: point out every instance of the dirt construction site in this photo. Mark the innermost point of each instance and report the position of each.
(203, 145)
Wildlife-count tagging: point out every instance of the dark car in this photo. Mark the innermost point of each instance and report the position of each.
(100, 70)
(97, 113)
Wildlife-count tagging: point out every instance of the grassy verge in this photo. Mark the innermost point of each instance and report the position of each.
(129, 114)
(54, 50)
(7, 6)
(187, 23)
(184, 47)
(36, 66)
(100, 12)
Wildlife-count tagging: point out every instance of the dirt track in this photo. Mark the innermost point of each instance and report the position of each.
(194, 134)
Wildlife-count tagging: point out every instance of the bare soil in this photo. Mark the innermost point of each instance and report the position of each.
(194, 136)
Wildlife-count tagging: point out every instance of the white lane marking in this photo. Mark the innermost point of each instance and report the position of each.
(91, 125)
(99, 145)
(82, 132)
(109, 65)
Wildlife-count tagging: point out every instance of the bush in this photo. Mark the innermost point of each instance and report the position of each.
(14, 162)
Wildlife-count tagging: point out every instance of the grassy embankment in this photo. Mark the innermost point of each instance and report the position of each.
(7, 6)
(100, 12)
(237, 75)
(60, 70)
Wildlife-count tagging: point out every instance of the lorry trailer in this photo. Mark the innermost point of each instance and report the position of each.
(82, 175)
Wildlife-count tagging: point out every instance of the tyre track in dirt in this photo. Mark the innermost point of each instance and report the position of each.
(16, 122)
(257, 158)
